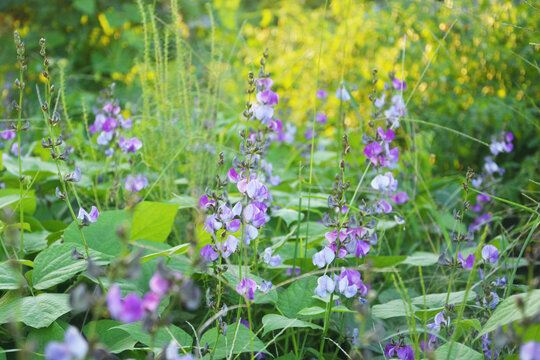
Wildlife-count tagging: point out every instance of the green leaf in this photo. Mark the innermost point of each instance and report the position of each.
(385, 261)
(459, 351)
(116, 340)
(153, 221)
(12, 196)
(242, 342)
(10, 277)
(391, 309)
(162, 337)
(297, 296)
(273, 322)
(54, 265)
(466, 326)
(44, 335)
(421, 258)
(86, 6)
(31, 165)
(35, 311)
(288, 215)
(100, 236)
(169, 253)
(508, 310)
(311, 311)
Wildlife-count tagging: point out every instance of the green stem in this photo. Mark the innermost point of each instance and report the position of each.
(326, 325)
(21, 196)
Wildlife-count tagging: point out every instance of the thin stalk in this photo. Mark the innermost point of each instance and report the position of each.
(19, 128)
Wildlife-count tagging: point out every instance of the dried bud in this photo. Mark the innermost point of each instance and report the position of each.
(75, 255)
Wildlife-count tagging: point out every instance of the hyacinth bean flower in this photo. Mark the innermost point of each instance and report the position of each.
(384, 183)
(400, 198)
(7, 134)
(321, 118)
(75, 176)
(171, 352)
(208, 253)
(468, 263)
(323, 257)
(205, 203)
(246, 288)
(404, 352)
(490, 253)
(229, 246)
(88, 218)
(325, 286)
(322, 94)
(274, 260)
(130, 145)
(265, 286)
(398, 84)
(530, 351)
(342, 94)
(136, 183)
(73, 347)
(128, 309)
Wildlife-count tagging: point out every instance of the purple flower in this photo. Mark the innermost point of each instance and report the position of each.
(205, 203)
(486, 348)
(246, 288)
(398, 84)
(75, 176)
(386, 136)
(289, 271)
(325, 285)
(379, 102)
(229, 246)
(127, 310)
(265, 286)
(250, 233)
(349, 282)
(491, 167)
(530, 351)
(256, 190)
(372, 151)
(15, 149)
(73, 347)
(268, 97)
(439, 320)
(150, 301)
(171, 352)
(309, 134)
(88, 218)
(342, 94)
(468, 263)
(233, 176)
(136, 183)
(159, 285)
(400, 198)
(109, 125)
(7, 134)
(382, 206)
(480, 220)
(265, 83)
(401, 351)
(490, 253)
(323, 257)
(321, 118)
(208, 253)
(129, 145)
(212, 224)
(104, 138)
(126, 124)
(322, 94)
(481, 198)
(493, 302)
(384, 183)
(269, 259)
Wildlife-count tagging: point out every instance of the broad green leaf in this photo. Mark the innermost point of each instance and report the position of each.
(43, 336)
(2, 354)
(102, 235)
(177, 250)
(116, 340)
(288, 215)
(10, 277)
(54, 265)
(273, 322)
(242, 343)
(439, 300)
(35, 311)
(297, 296)
(311, 311)
(459, 351)
(385, 261)
(35, 241)
(508, 311)
(466, 326)
(391, 309)
(162, 337)
(421, 258)
(86, 6)
(30, 166)
(153, 221)
(11, 196)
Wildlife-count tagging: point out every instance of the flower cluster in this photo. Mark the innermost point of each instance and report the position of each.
(441, 321)
(109, 124)
(74, 346)
(132, 308)
(486, 179)
(399, 350)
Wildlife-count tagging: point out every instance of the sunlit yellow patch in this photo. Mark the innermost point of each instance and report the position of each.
(105, 24)
(267, 18)
(84, 19)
